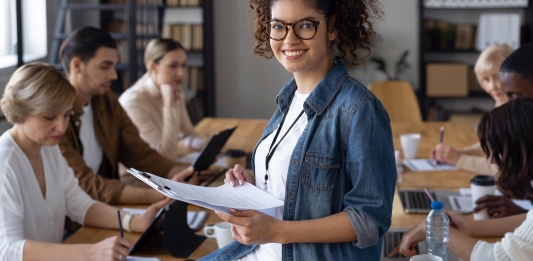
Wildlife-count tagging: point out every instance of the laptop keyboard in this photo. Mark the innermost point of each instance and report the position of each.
(391, 240)
(415, 199)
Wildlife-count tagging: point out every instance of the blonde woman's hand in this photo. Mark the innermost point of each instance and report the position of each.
(238, 175)
(171, 94)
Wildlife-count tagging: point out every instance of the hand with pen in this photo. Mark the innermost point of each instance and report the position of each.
(192, 176)
(445, 154)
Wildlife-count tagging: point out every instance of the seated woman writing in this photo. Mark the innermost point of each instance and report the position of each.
(37, 187)
(487, 71)
(505, 136)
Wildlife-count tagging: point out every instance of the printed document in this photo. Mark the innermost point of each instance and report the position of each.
(220, 198)
(426, 165)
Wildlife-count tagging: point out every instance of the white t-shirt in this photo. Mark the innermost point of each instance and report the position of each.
(24, 212)
(92, 152)
(278, 168)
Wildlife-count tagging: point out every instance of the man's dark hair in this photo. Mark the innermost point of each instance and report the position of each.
(83, 43)
(520, 62)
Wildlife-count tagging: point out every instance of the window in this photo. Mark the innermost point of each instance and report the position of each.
(33, 28)
(8, 29)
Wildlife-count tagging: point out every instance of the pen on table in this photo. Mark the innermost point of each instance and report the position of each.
(429, 194)
(441, 137)
(120, 224)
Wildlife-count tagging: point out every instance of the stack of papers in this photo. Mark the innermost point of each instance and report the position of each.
(195, 219)
(427, 165)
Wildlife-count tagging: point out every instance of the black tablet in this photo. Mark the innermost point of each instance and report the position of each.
(210, 151)
(153, 229)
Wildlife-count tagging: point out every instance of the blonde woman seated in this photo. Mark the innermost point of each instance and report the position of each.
(156, 102)
(487, 71)
(37, 187)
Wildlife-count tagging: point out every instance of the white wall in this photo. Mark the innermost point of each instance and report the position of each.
(246, 84)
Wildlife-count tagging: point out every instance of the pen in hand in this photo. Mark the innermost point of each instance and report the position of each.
(441, 137)
(120, 224)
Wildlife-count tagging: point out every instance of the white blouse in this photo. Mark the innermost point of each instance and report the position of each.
(24, 213)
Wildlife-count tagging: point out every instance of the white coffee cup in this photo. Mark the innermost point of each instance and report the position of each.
(221, 231)
(482, 185)
(425, 257)
(410, 144)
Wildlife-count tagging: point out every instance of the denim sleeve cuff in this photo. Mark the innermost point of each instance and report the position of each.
(366, 231)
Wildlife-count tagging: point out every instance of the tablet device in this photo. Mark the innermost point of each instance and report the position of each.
(153, 229)
(210, 151)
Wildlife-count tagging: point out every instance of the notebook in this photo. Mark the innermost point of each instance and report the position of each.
(393, 237)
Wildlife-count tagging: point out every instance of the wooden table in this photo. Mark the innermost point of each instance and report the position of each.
(248, 133)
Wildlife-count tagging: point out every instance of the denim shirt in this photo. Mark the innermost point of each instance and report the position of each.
(343, 161)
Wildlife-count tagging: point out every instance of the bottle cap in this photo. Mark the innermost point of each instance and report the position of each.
(436, 205)
(483, 180)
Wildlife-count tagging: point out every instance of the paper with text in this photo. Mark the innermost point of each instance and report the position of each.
(219, 198)
(426, 165)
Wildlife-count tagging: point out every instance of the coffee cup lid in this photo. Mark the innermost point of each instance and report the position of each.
(483, 180)
(235, 153)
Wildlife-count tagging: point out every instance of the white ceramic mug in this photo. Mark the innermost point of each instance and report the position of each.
(482, 185)
(425, 257)
(221, 231)
(410, 144)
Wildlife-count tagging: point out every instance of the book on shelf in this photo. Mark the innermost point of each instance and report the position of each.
(443, 35)
(139, 2)
(189, 35)
(183, 3)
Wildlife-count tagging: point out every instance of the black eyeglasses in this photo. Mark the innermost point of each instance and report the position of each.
(304, 29)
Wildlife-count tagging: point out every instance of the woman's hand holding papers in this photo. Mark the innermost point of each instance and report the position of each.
(238, 175)
(445, 153)
(193, 177)
(251, 226)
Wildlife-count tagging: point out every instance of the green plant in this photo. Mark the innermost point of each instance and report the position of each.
(400, 66)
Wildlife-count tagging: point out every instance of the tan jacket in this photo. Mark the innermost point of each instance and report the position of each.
(161, 127)
(120, 142)
(473, 159)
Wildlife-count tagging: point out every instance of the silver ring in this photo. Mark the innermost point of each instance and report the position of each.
(120, 257)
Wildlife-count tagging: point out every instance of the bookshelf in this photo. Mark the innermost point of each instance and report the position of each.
(447, 35)
(190, 22)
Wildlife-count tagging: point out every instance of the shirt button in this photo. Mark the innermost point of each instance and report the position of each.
(321, 164)
(307, 106)
(77, 123)
(290, 194)
(281, 101)
(294, 162)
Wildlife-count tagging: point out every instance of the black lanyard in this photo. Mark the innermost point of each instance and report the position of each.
(271, 150)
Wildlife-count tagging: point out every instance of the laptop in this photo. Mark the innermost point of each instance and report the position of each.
(416, 200)
(393, 237)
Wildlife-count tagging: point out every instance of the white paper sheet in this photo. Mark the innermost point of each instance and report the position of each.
(220, 198)
(426, 165)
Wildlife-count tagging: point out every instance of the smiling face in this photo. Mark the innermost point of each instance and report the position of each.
(95, 76)
(45, 129)
(514, 85)
(297, 55)
(170, 69)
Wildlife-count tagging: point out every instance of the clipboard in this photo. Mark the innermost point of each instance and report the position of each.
(210, 151)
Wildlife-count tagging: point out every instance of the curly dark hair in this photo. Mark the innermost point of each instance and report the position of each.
(353, 19)
(505, 136)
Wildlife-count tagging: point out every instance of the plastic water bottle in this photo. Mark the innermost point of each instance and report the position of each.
(437, 230)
